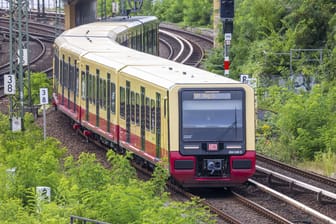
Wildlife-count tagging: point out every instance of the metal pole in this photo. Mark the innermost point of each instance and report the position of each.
(21, 60)
(11, 65)
(44, 123)
(30, 103)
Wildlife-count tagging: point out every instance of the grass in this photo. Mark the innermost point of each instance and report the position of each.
(324, 163)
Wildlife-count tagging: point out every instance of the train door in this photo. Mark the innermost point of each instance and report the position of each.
(164, 126)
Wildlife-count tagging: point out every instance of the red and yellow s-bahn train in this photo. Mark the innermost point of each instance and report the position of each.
(202, 123)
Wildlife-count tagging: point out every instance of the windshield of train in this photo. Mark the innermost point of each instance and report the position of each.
(212, 115)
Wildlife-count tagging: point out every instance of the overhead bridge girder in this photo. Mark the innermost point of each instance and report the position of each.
(78, 12)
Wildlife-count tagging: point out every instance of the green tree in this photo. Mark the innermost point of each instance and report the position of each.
(197, 12)
(37, 81)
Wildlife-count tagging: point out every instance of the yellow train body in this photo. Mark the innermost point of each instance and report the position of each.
(147, 105)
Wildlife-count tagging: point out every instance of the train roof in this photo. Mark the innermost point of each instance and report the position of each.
(96, 42)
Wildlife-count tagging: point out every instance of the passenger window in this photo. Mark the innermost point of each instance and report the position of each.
(62, 71)
(137, 109)
(56, 66)
(113, 98)
(101, 93)
(132, 107)
(122, 102)
(158, 113)
(70, 74)
(147, 113)
(94, 89)
(76, 78)
(90, 88)
(104, 94)
(152, 115)
(83, 87)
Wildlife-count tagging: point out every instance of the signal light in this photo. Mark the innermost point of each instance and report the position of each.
(227, 9)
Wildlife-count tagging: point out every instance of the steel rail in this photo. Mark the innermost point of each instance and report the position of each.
(310, 175)
(178, 40)
(170, 48)
(262, 210)
(293, 202)
(290, 180)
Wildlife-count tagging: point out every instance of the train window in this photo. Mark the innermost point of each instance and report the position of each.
(104, 94)
(71, 74)
(113, 93)
(66, 73)
(77, 79)
(165, 107)
(101, 93)
(152, 116)
(150, 41)
(133, 40)
(90, 88)
(132, 107)
(210, 116)
(137, 109)
(155, 39)
(83, 87)
(94, 89)
(125, 40)
(56, 67)
(144, 42)
(147, 113)
(158, 112)
(138, 41)
(128, 103)
(122, 102)
(64, 79)
(62, 70)
(142, 108)
(158, 123)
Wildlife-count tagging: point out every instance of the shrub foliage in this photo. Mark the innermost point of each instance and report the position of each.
(80, 187)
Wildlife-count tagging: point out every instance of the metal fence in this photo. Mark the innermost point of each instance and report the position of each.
(81, 220)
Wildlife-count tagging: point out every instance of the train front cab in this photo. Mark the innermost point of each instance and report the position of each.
(214, 145)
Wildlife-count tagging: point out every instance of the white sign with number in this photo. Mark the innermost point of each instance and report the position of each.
(43, 96)
(24, 57)
(9, 84)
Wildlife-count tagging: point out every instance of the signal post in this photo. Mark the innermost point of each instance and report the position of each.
(226, 15)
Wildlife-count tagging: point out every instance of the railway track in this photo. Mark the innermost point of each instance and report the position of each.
(183, 46)
(217, 205)
(309, 192)
(41, 38)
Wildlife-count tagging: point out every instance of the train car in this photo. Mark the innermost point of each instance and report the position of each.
(203, 124)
